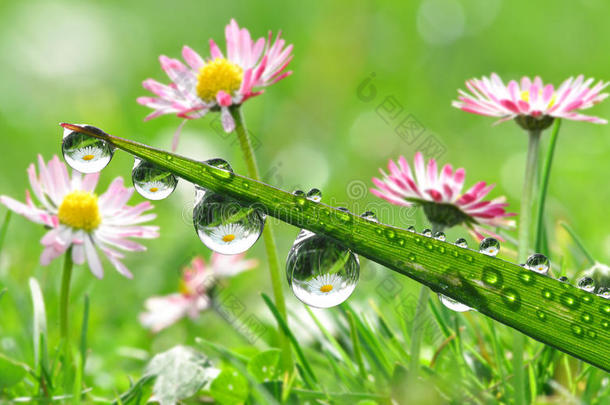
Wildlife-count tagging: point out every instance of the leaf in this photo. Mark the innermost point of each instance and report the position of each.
(229, 388)
(555, 313)
(40, 319)
(264, 366)
(181, 372)
(139, 393)
(11, 372)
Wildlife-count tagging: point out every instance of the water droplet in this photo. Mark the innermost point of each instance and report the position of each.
(586, 317)
(440, 236)
(220, 168)
(563, 279)
(411, 228)
(412, 257)
(245, 184)
(538, 263)
(511, 298)
(427, 233)
(298, 193)
(314, 195)
(526, 278)
(390, 234)
(321, 272)
(604, 293)
(219, 164)
(400, 241)
(569, 301)
(492, 277)
(226, 225)
(461, 242)
(576, 329)
(605, 324)
(151, 181)
(587, 284)
(489, 246)
(591, 333)
(541, 315)
(85, 153)
(605, 309)
(453, 304)
(370, 216)
(548, 294)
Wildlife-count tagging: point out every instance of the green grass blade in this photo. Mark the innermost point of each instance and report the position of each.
(295, 343)
(83, 335)
(541, 307)
(356, 345)
(4, 229)
(578, 242)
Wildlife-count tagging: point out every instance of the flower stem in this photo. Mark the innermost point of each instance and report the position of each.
(64, 299)
(544, 185)
(269, 238)
(523, 250)
(418, 323)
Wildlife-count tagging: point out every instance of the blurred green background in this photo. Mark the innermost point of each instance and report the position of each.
(84, 62)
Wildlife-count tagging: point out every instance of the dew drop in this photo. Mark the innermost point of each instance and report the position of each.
(489, 246)
(511, 298)
(427, 233)
(492, 277)
(226, 225)
(604, 293)
(526, 278)
(591, 333)
(220, 168)
(151, 181)
(605, 324)
(298, 192)
(390, 234)
(314, 195)
(548, 294)
(461, 242)
(541, 315)
(412, 257)
(587, 284)
(440, 236)
(577, 330)
(85, 153)
(563, 279)
(411, 228)
(453, 304)
(400, 241)
(586, 317)
(321, 272)
(538, 263)
(569, 301)
(370, 216)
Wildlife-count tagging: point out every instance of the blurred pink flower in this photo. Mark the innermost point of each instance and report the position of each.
(441, 195)
(80, 219)
(489, 96)
(220, 81)
(194, 285)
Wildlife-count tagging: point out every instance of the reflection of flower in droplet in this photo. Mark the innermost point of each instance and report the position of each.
(228, 233)
(87, 154)
(325, 284)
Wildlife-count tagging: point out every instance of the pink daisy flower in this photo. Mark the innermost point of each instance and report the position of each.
(532, 103)
(220, 81)
(192, 299)
(441, 196)
(78, 218)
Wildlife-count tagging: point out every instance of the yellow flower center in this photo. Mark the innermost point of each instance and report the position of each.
(228, 238)
(80, 210)
(154, 189)
(326, 288)
(88, 157)
(525, 96)
(216, 75)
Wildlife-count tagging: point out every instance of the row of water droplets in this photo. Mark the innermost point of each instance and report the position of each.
(321, 272)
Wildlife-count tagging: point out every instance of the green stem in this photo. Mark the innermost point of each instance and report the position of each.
(268, 236)
(64, 299)
(523, 250)
(418, 322)
(544, 185)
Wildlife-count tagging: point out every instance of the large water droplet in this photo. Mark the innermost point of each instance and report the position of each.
(314, 195)
(461, 242)
(440, 236)
(489, 246)
(427, 232)
(587, 284)
(321, 272)
(151, 181)
(538, 263)
(85, 153)
(453, 304)
(226, 225)
(219, 164)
